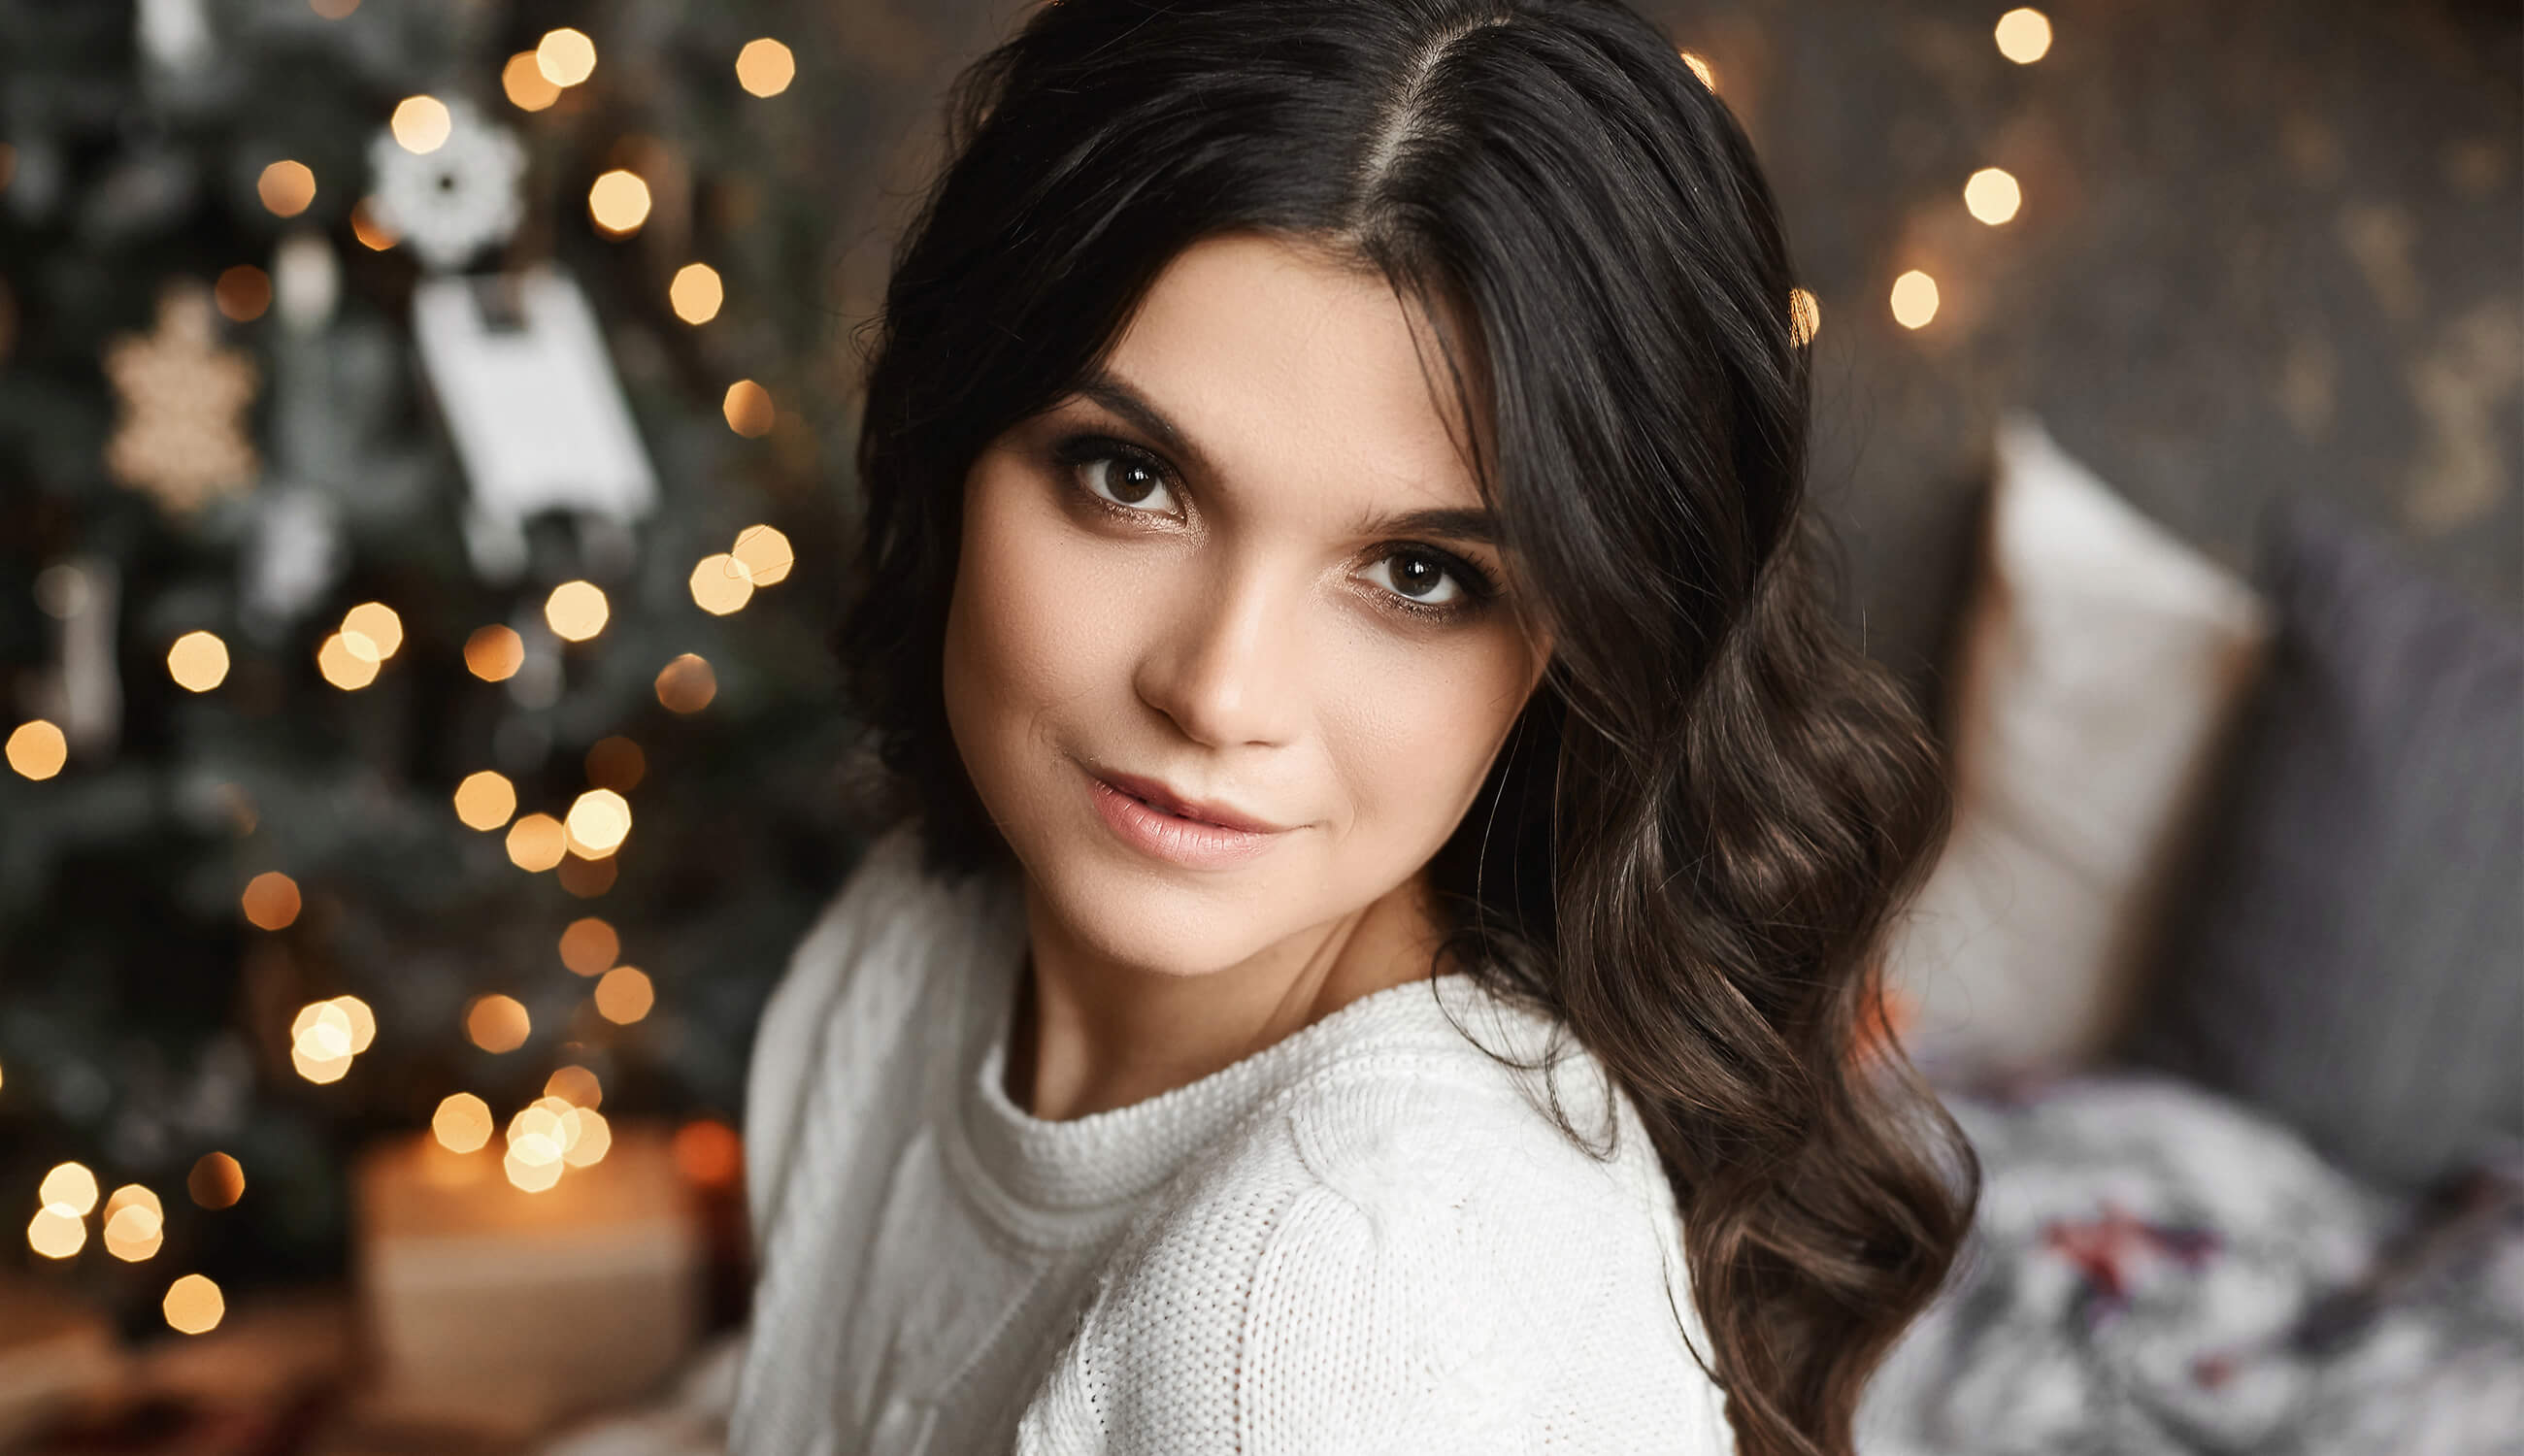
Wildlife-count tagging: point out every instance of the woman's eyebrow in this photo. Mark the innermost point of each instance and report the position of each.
(1471, 524)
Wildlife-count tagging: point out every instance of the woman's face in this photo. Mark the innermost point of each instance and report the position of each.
(1190, 572)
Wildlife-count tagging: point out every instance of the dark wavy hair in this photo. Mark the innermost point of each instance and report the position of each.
(1688, 852)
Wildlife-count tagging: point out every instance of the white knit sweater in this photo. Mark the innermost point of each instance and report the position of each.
(1362, 1238)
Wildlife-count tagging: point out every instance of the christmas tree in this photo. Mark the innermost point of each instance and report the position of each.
(423, 484)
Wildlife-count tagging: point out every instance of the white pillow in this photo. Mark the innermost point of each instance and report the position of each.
(2101, 662)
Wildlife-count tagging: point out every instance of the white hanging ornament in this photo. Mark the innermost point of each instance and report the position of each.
(451, 201)
(530, 396)
(294, 552)
(305, 280)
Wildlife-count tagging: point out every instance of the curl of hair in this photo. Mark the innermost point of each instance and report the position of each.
(1689, 852)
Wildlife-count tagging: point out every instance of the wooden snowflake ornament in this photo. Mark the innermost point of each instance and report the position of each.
(182, 436)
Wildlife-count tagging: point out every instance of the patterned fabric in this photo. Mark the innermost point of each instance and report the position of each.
(2155, 1269)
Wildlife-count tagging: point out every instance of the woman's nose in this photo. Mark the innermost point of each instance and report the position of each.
(1229, 668)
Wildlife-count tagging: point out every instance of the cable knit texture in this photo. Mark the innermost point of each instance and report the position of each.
(1365, 1238)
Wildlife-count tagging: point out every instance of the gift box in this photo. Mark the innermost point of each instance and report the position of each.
(493, 1308)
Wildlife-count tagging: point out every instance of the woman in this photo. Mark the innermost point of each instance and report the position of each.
(1371, 945)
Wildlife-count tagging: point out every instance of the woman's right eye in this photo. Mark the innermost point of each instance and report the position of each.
(1119, 477)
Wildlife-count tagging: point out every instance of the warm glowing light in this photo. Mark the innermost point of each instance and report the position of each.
(1701, 69)
(372, 234)
(576, 610)
(595, 1136)
(708, 1153)
(372, 631)
(55, 1231)
(271, 900)
(1992, 195)
(216, 1181)
(599, 821)
(135, 1232)
(321, 1031)
(319, 1069)
(129, 1195)
(1914, 299)
(69, 1185)
(584, 877)
(720, 584)
(696, 293)
(37, 749)
(765, 68)
(537, 843)
(541, 1133)
(363, 1022)
(618, 202)
(197, 662)
(590, 946)
(286, 188)
(1805, 315)
(343, 667)
(494, 653)
(497, 1023)
(528, 88)
(243, 293)
(485, 801)
(193, 1305)
(765, 552)
(533, 1178)
(748, 407)
(624, 995)
(575, 1086)
(420, 125)
(687, 685)
(461, 1123)
(566, 57)
(2023, 35)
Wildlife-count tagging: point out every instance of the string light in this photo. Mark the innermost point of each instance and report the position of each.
(765, 68)
(218, 1180)
(618, 202)
(372, 234)
(193, 1305)
(271, 900)
(372, 631)
(765, 552)
(2023, 35)
(720, 584)
(69, 1185)
(524, 81)
(1992, 195)
(537, 843)
(420, 125)
(493, 653)
(485, 801)
(599, 821)
(134, 1224)
(576, 610)
(575, 1086)
(243, 293)
(461, 1123)
(286, 188)
(590, 946)
(37, 749)
(1914, 299)
(687, 685)
(748, 407)
(197, 662)
(344, 668)
(56, 1232)
(696, 293)
(566, 57)
(497, 1023)
(624, 995)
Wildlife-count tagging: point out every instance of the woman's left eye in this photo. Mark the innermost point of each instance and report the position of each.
(1434, 584)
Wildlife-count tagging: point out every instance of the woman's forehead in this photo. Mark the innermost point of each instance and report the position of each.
(1276, 365)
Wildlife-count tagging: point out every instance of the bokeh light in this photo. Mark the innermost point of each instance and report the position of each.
(485, 801)
(271, 900)
(527, 87)
(615, 762)
(576, 610)
(37, 749)
(372, 631)
(720, 584)
(687, 685)
(243, 293)
(497, 1023)
(599, 821)
(748, 407)
(344, 668)
(420, 125)
(537, 843)
(2023, 35)
(193, 1305)
(55, 1231)
(493, 653)
(286, 188)
(765, 552)
(624, 995)
(765, 66)
(696, 293)
(197, 662)
(618, 202)
(566, 56)
(216, 1181)
(69, 1185)
(461, 1123)
(1992, 195)
(589, 946)
(1914, 299)
(576, 1086)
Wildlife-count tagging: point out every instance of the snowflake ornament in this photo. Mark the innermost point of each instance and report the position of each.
(458, 198)
(181, 437)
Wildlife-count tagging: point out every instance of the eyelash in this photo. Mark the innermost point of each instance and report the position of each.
(1079, 451)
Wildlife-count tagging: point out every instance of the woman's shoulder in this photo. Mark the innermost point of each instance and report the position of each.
(1406, 1253)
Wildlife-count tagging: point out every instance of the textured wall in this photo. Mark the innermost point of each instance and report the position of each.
(2265, 245)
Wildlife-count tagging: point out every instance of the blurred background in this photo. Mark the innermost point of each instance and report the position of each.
(425, 489)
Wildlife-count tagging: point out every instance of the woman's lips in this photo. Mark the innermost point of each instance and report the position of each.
(1157, 796)
(1189, 843)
